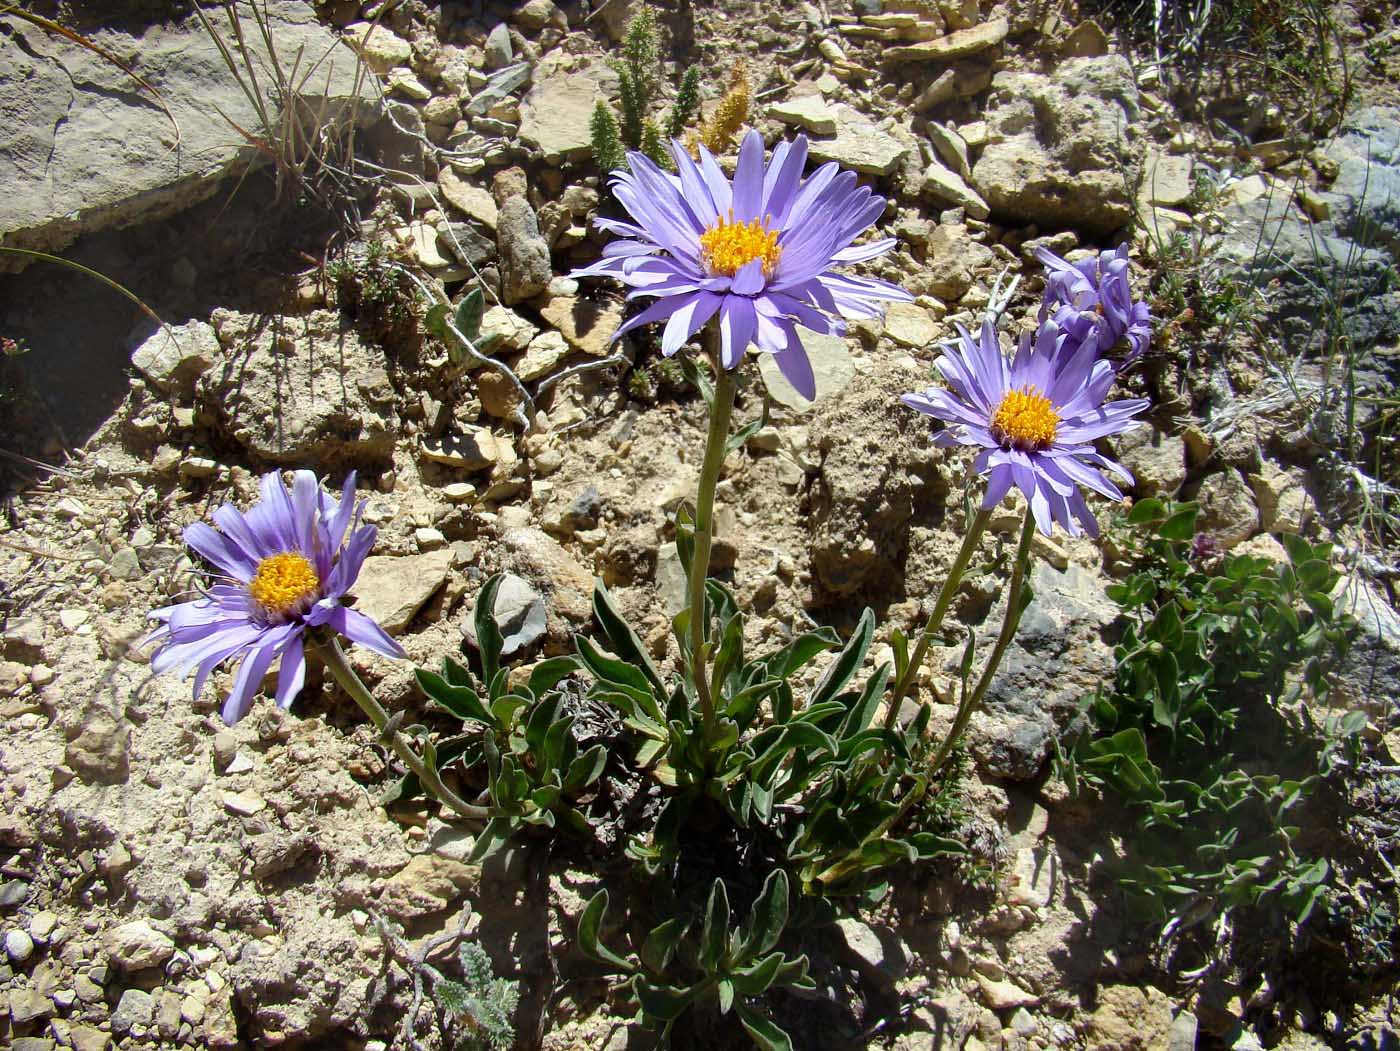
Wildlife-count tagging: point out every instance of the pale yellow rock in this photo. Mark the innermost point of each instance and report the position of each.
(910, 325)
(955, 45)
(475, 202)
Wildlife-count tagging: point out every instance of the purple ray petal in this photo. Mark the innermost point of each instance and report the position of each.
(736, 327)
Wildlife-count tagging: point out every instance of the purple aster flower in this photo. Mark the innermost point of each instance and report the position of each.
(1092, 299)
(281, 570)
(1034, 417)
(759, 253)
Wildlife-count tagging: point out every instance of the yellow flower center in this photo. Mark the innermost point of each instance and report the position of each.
(729, 246)
(1026, 419)
(283, 583)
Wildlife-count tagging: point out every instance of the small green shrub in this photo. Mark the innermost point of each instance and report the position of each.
(639, 81)
(372, 289)
(1195, 733)
(481, 1004)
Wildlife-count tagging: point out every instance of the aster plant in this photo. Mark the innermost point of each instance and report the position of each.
(1033, 418)
(1092, 301)
(747, 261)
(279, 576)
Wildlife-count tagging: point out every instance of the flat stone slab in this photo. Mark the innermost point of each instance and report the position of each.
(555, 116)
(859, 144)
(832, 367)
(83, 147)
(955, 45)
(810, 113)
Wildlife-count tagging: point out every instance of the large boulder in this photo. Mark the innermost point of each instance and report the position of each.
(1339, 267)
(308, 393)
(877, 471)
(1056, 660)
(83, 147)
(1059, 146)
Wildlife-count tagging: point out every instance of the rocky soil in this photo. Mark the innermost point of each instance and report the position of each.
(166, 881)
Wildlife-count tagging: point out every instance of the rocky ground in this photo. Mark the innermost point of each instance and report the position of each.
(166, 881)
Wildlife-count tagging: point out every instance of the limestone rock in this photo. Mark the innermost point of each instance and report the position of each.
(943, 184)
(555, 115)
(877, 952)
(137, 945)
(380, 47)
(308, 393)
(499, 397)
(1156, 461)
(428, 884)
(135, 1009)
(951, 148)
(670, 580)
(1182, 1036)
(424, 240)
(860, 145)
(954, 259)
(1269, 244)
(1129, 1018)
(1282, 498)
(872, 467)
(391, 589)
(477, 450)
(503, 331)
(534, 15)
(498, 50)
(1086, 40)
(1227, 512)
(29, 1005)
(98, 748)
(525, 263)
(172, 359)
(1369, 676)
(832, 368)
(1166, 179)
(475, 202)
(1004, 995)
(467, 244)
(82, 149)
(809, 112)
(910, 325)
(566, 585)
(1057, 146)
(1056, 659)
(542, 356)
(587, 324)
(519, 613)
(89, 1038)
(960, 44)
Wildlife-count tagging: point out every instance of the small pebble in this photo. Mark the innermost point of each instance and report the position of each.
(42, 925)
(19, 946)
(72, 619)
(245, 804)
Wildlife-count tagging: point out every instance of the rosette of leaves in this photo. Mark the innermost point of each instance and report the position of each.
(1198, 732)
(686, 961)
(521, 735)
(824, 787)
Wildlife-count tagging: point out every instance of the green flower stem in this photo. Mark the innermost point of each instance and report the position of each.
(334, 657)
(940, 609)
(969, 703)
(721, 408)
